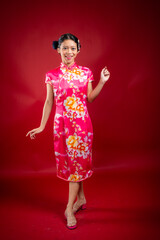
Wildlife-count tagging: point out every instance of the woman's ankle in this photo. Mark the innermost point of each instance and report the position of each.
(81, 199)
(69, 207)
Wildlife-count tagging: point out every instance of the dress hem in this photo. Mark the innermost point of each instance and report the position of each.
(75, 181)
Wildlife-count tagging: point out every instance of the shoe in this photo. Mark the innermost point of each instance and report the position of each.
(70, 219)
(77, 207)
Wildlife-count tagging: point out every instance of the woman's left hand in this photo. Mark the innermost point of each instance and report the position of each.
(105, 74)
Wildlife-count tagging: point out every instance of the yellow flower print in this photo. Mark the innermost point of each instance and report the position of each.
(74, 177)
(72, 141)
(77, 147)
(71, 103)
(74, 107)
(76, 71)
(80, 108)
(82, 147)
(70, 75)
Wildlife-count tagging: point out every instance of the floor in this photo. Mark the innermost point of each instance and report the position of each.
(121, 205)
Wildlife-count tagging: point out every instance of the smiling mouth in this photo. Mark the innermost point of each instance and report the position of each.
(69, 57)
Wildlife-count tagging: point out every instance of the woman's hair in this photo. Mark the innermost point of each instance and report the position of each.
(57, 44)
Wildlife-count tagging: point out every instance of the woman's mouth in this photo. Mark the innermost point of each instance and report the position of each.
(69, 57)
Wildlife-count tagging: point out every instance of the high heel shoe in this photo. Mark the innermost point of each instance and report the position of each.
(81, 207)
(70, 219)
(84, 206)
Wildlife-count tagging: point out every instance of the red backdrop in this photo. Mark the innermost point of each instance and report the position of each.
(120, 34)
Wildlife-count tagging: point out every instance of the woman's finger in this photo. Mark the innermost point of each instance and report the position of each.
(106, 72)
(31, 133)
(28, 133)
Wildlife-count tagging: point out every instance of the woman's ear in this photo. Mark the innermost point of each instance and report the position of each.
(58, 50)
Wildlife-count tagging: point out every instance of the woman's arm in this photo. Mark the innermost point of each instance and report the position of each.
(93, 93)
(46, 112)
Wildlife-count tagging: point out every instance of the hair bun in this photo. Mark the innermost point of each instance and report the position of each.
(55, 44)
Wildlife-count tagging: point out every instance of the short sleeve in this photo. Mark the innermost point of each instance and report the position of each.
(90, 76)
(48, 80)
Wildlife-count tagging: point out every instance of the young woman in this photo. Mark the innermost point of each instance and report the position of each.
(69, 86)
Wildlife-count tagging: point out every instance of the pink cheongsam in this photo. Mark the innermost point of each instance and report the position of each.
(73, 132)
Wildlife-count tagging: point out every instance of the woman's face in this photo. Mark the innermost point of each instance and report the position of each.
(68, 51)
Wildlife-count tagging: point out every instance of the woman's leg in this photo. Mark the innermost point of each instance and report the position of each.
(80, 198)
(73, 191)
(80, 194)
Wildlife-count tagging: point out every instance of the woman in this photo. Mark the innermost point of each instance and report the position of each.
(70, 85)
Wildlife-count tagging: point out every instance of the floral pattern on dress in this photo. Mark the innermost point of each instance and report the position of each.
(73, 132)
(74, 107)
(77, 147)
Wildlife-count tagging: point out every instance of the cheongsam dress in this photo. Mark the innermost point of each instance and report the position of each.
(73, 132)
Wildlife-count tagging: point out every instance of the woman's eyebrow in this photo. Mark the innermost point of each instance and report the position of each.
(68, 46)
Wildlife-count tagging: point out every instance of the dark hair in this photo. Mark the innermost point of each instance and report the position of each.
(57, 44)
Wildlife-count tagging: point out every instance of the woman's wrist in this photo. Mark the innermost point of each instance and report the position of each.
(42, 127)
(101, 82)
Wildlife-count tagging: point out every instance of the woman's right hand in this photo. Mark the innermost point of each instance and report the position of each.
(33, 132)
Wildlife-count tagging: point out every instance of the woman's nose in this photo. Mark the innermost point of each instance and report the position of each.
(69, 50)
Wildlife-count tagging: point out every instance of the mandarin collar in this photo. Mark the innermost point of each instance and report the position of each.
(62, 65)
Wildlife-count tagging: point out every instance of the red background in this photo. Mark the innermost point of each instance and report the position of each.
(124, 36)
(120, 34)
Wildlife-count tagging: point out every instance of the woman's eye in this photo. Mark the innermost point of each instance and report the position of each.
(65, 48)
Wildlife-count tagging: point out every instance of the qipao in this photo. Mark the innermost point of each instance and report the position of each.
(73, 132)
